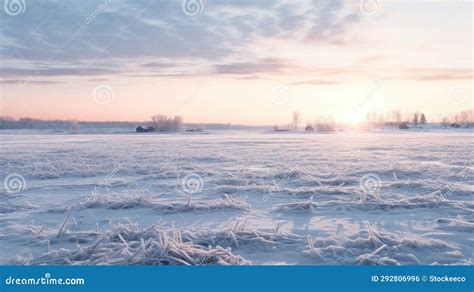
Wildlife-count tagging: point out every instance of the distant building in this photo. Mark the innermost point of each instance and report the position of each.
(141, 129)
(278, 129)
(195, 130)
(403, 126)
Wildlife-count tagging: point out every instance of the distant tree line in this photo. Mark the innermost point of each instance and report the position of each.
(393, 118)
(396, 117)
(29, 123)
(320, 124)
(463, 118)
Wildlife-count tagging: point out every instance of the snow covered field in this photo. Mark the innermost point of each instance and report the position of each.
(237, 198)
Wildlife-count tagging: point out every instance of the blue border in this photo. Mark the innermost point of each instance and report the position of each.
(246, 278)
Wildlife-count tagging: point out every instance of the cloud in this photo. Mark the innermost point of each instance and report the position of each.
(329, 22)
(53, 33)
(268, 65)
(155, 65)
(14, 72)
(314, 82)
(429, 74)
(21, 81)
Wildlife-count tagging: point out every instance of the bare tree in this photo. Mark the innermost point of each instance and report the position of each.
(74, 127)
(396, 117)
(296, 120)
(178, 122)
(456, 118)
(325, 124)
(423, 119)
(415, 119)
(445, 122)
(464, 117)
(162, 123)
(380, 122)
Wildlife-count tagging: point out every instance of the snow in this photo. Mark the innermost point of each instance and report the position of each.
(231, 198)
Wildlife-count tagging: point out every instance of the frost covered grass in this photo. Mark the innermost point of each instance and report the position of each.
(115, 202)
(306, 206)
(239, 237)
(433, 200)
(238, 198)
(369, 247)
(126, 244)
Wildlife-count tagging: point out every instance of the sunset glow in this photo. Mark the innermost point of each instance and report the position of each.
(223, 64)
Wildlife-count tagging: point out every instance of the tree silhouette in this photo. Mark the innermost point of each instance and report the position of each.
(296, 120)
(445, 122)
(422, 119)
(415, 119)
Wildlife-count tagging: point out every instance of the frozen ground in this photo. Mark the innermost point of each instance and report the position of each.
(237, 198)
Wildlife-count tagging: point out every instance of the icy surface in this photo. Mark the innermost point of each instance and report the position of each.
(238, 198)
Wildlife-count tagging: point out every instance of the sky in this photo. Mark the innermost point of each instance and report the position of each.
(228, 61)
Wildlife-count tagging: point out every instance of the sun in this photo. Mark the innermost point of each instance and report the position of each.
(356, 117)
